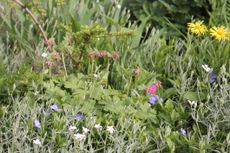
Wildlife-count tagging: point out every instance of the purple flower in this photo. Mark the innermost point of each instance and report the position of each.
(212, 77)
(54, 107)
(79, 116)
(37, 124)
(183, 132)
(153, 99)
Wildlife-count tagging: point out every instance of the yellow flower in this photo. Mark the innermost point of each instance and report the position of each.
(220, 33)
(197, 28)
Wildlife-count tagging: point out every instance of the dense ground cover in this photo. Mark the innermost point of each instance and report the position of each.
(91, 80)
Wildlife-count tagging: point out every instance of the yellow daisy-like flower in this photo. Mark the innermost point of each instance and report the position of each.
(220, 33)
(197, 28)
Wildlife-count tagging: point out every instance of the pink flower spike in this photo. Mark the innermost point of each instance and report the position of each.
(153, 89)
(103, 53)
(49, 42)
(49, 63)
(158, 84)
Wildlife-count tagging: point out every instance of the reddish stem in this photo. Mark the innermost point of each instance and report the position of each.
(47, 41)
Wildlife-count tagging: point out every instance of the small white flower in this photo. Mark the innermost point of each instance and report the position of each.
(72, 128)
(96, 75)
(85, 130)
(118, 6)
(37, 142)
(110, 129)
(80, 137)
(193, 104)
(44, 55)
(98, 126)
(206, 68)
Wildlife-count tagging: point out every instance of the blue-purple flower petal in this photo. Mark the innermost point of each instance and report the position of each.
(54, 107)
(153, 99)
(212, 77)
(183, 132)
(37, 124)
(79, 116)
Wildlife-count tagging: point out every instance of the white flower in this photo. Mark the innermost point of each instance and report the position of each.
(118, 6)
(98, 126)
(96, 75)
(44, 55)
(80, 137)
(193, 104)
(110, 129)
(37, 142)
(92, 118)
(85, 130)
(72, 128)
(206, 68)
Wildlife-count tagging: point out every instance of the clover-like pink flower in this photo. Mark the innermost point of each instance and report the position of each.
(116, 55)
(153, 88)
(91, 55)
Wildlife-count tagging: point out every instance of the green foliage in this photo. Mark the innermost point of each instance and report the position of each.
(220, 12)
(109, 90)
(178, 12)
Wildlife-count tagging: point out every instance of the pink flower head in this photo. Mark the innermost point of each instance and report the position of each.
(137, 71)
(102, 53)
(49, 42)
(91, 55)
(116, 55)
(158, 84)
(153, 88)
(50, 63)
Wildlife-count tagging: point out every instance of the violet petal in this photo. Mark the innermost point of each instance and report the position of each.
(153, 99)
(79, 116)
(183, 132)
(212, 77)
(55, 107)
(37, 124)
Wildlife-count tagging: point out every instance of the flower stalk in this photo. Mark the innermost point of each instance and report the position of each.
(23, 6)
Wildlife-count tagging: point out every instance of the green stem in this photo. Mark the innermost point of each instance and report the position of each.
(63, 62)
(34, 19)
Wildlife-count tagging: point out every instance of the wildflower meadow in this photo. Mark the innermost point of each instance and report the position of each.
(119, 76)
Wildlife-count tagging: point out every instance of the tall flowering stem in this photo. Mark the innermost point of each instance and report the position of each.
(47, 41)
(63, 61)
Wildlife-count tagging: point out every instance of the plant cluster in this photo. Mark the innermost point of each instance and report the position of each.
(81, 77)
(178, 12)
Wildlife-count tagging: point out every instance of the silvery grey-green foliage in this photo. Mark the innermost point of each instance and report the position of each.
(108, 92)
